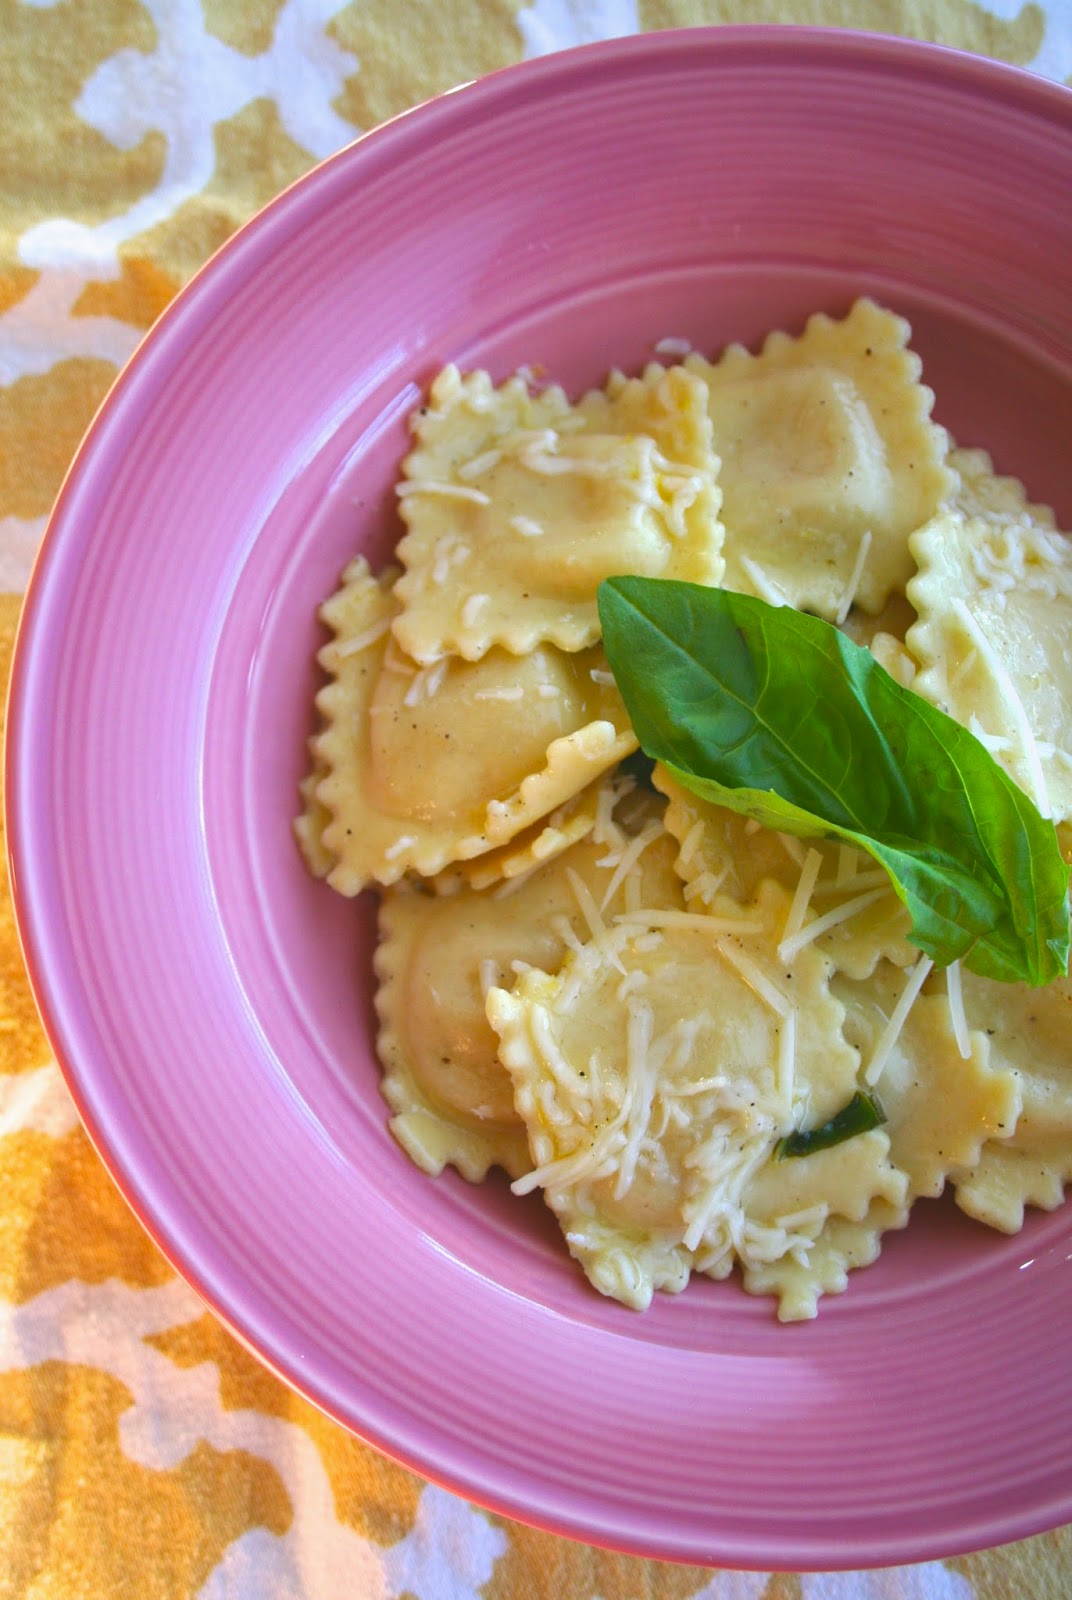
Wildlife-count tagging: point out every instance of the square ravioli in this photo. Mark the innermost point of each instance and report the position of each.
(518, 505)
(414, 769)
(655, 1075)
(452, 1101)
(829, 461)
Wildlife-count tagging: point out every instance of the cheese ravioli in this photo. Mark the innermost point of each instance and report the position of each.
(829, 461)
(516, 506)
(655, 1075)
(418, 768)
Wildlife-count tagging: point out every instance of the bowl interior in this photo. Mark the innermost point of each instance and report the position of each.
(308, 952)
(212, 1004)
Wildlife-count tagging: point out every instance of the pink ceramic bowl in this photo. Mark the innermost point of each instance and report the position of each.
(211, 1005)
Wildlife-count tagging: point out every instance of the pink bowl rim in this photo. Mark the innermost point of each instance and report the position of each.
(246, 1312)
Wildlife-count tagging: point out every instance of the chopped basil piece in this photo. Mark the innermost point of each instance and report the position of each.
(862, 1113)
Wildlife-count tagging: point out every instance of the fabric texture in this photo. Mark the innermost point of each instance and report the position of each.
(143, 1452)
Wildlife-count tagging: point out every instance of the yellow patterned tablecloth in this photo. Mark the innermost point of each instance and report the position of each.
(143, 1454)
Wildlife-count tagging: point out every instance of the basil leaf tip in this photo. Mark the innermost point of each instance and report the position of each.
(778, 715)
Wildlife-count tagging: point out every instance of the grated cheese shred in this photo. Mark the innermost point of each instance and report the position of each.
(789, 948)
(764, 587)
(847, 864)
(854, 577)
(755, 978)
(474, 605)
(527, 527)
(690, 843)
(590, 912)
(898, 1017)
(703, 923)
(955, 991)
(809, 875)
(786, 1078)
(629, 860)
(362, 641)
(445, 491)
(477, 466)
(793, 849)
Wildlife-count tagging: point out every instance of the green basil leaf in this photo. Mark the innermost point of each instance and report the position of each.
(862, 1113)
(779, 716)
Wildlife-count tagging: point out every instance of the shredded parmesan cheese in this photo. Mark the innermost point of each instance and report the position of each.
(641, 1073)
(478, 465)
(793, 848)
(688, 919)
(955, 992)
(606, 830)
(511, 885)
(764, 587)
(809, 874)
(400, 846)
(563, 928)
(706, 886)
(446, 491)
(898, 1017)
(526, 527)
(581, 1166)
(425, 683)
(489, 975)
(591, 914)
(787, 1039)
(854, 578)
(812, 1217)
(851, 908)
(627, 861)
(547, 465)
(994, 743)
(362, 641)
(756, 979)
(673, 347)
(964, 668)
(690, 843)
(847, 859)
(513, 692)
(472, 608)
(449, 551)
(631, 983)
